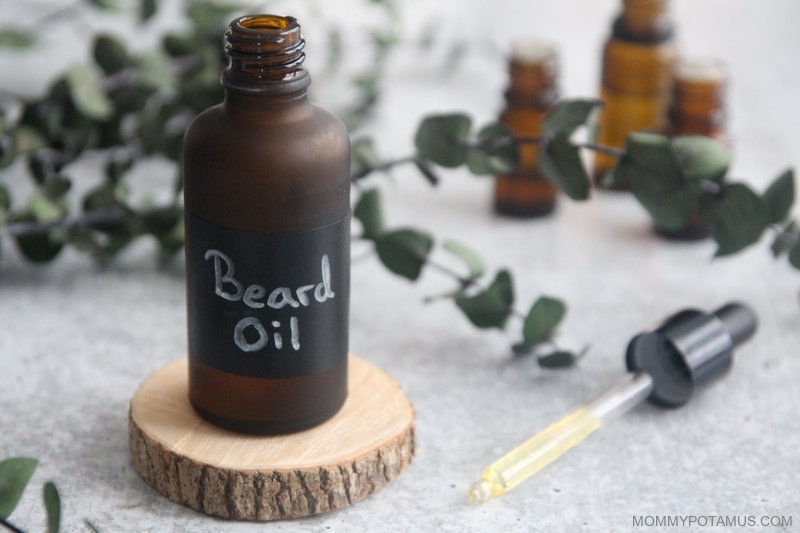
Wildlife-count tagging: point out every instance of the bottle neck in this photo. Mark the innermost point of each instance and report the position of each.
(533, 70)
(258, 106)
(265, 57)
(645, 21)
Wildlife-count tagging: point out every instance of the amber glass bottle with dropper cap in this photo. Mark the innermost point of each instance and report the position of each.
(267, 241)
(636, 77)
(532, 93)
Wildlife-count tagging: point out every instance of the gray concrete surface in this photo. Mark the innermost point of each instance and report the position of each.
(76, 340)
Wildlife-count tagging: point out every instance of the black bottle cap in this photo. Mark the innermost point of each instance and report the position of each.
(690, 347)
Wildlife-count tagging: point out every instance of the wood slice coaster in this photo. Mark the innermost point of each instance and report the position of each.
(194, 463)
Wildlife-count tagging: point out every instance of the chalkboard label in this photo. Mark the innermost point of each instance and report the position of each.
(268, 305)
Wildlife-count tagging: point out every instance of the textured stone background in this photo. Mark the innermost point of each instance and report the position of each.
(76, 341)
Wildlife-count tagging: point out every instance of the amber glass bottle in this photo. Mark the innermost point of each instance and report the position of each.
(697, 107)
(636, 77)
(531, 94)
(267, 241)
(698, 99)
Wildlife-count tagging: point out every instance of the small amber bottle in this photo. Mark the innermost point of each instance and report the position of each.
(531, 94)
(267, 177)
(697, 108)
(636, 76)
(698, 99)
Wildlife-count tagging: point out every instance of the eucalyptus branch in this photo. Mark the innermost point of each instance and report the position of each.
(11, 527)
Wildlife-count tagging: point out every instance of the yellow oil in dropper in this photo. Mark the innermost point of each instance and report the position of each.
(545, 447)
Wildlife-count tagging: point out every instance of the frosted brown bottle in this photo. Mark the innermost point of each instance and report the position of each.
(267, 182)
(532, 93)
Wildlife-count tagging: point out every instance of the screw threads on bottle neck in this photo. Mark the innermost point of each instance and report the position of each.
(265, 55)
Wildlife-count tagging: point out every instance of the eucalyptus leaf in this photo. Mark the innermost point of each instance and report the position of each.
(52, 505)
(779, 196)
(427, 171)
(651, 168)
(568, 116)
(544, 316)
(496, 152)
(369, 211)
(561, 163)
(5, 198)
(11, 37)
(108, 5)
(738, 216)
(491, 307)
(557, 359)
(110, 54)
(15, 473)
(474, 262)
(364, 154)
(404, 251)
(786, 238)
(702, 158)
(155, 70)
(147, 8)
(86, 90)
(794, 255)
(45, 209)
(442, 139)
(56, 187)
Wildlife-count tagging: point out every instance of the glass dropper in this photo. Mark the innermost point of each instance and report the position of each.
(664, 366)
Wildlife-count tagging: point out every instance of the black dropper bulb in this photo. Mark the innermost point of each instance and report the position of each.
(688, 348)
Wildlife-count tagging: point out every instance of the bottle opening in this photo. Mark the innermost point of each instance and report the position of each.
(264, 22)
(266, 54)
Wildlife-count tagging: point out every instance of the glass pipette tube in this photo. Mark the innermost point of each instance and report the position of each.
(545, 447)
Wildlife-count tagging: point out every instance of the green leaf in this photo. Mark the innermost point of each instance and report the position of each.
(110, 54)
(365, 155)
(779, 197)
(785, 239)
(155, 70)
(738, 216)
(56, 187)
(11, 37)
(542, 319)
(178, 45)
(557, 359)
(427, 171)
(161, 220)
(442, 139)
(107, 5)
(5, 198)
(491, 307)
(52, 504)
(496, 152)
(653, 171)
(369, 212)
(702, 158)
(15, 472)
(794, 255)
(44, 209)
(473, 261)
(27, 139)
(210, 16)
(568, 116)
(86, 90)
(561, 163)
(404, 251)
(147, 8)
